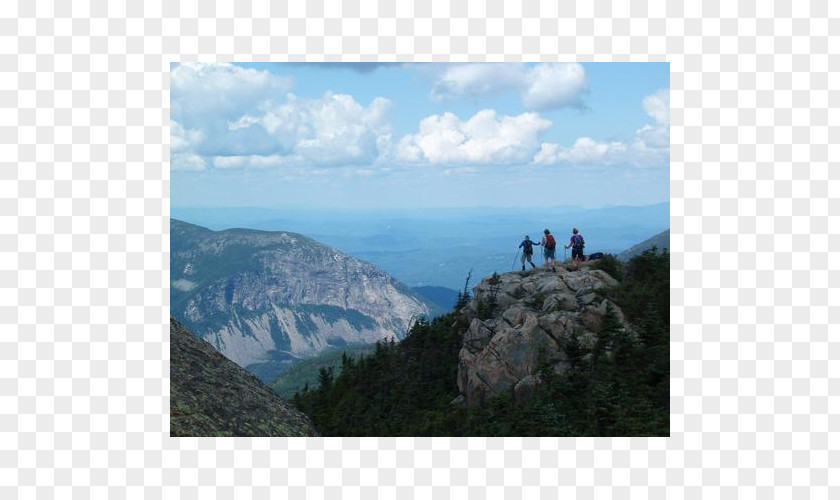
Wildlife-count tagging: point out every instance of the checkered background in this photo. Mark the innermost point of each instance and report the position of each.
(84, 262)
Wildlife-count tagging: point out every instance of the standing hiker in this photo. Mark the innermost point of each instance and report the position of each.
(576, 244)
(548, 244)
(527, 247)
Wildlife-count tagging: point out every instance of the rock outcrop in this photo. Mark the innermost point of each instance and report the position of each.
(271, 297)
(212, 396)
(535, 312)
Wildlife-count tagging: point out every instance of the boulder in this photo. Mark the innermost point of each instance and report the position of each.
(536, 312)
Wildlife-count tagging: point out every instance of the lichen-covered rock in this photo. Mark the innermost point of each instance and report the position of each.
(536, 312)
(212, 396)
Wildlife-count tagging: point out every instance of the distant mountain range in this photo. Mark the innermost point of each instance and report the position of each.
(265, 299)
(662, 241)
(438, 247)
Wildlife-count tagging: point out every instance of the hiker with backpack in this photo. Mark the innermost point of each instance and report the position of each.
(527, 247)
(576, 244)
(548, 245)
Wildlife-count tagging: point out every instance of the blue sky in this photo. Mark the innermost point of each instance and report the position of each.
(419, 135)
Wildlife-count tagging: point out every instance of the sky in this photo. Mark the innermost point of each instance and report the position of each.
(395, 135)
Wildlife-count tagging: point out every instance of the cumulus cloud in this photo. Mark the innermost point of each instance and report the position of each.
(181, 140)
(200, 90)
(657, 135)
(654, 136)
(485, 138)
(650, 145)
(331, 130)
(554, 86)
(468, 80)
(541, 86)
(585, 150)
(658, 106)
(182, 144)
(204, 97)
(228, 116)
(188, 162)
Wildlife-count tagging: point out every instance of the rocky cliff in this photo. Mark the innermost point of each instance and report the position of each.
(263, 298)
(534, 313)
(212, 396)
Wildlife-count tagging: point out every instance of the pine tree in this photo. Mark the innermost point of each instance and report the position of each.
(325, 378)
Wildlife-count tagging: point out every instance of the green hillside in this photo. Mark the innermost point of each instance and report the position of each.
(662, 241)
(305, 371)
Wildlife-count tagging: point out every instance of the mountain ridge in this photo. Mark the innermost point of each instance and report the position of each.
(662, 241)
(272, 296)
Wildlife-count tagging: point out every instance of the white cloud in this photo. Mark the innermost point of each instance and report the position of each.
(182, 145)
(187, 162)
(464, 80)
(654, 136)
(331, 130)
(181, 140)
(584, 151)
(483, 139)
(658, 135)
(555, 85)
(649, 147)
(248, 161)
(230, 116)
(204, 97)
(658, 106)
(542, 86)
(202, 89)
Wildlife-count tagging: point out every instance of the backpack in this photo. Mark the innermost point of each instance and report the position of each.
(549, 242)
(527, 248)
(577, 242)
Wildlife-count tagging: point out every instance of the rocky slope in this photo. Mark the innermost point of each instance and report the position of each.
(535, 312)
(212, 396)
(264, 298)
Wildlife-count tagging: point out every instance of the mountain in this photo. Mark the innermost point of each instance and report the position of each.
(212, 396)
(438, 247)
(662, 241)
(266, 299)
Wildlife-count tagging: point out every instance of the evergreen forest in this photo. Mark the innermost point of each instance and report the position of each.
(618, 387)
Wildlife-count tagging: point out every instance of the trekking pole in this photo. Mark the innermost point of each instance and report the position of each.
(514, 260)
(564, 253)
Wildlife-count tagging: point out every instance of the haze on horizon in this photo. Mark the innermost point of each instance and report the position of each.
(414, 136)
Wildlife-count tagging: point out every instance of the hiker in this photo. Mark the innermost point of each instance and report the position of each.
(548, 245)
(576, 244)
(527, 247)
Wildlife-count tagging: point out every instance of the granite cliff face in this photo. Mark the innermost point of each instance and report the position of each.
(212, 396)
(264, 298)
(535, 312)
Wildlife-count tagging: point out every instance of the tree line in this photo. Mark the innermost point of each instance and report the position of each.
(618, 387)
